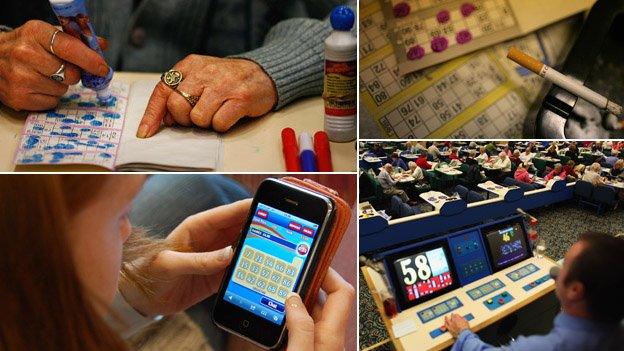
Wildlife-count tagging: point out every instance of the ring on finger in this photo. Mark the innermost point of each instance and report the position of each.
(59, 75)
(172, 78)
(53, 39)
(192, 99)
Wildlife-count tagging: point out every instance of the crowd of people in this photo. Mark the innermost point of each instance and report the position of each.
(401, 169)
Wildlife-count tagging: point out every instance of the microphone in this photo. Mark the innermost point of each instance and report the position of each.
(554, 272)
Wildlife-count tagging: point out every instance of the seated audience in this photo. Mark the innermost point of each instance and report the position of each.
(569, 169)
(483, 155)
(527, 155)
(388, 184)
(557, 171)
(453, 155)
(592, 175)
(434, 151)
(422, 161)
(572, 152)
(515, 158)
(522, 174)
(398, 162)
(618, 169)
(415, 171)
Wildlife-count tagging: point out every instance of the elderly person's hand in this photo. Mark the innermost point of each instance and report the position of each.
(27, 62)
(228, 89)
(455, 324)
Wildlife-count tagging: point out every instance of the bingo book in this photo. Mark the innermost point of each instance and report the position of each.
(83, 131)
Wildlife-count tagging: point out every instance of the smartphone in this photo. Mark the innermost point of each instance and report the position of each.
(276, 254)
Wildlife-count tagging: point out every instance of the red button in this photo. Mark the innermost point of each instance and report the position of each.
(443, 328)
(533, 283)
(501, 301)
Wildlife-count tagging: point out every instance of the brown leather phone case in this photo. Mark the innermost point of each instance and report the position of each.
(332, 241)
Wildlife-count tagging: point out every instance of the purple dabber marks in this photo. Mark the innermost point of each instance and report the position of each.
(467, 9)
(443, 16)
(463, 36)
(439, 44)
(401, 10)
(416, 53)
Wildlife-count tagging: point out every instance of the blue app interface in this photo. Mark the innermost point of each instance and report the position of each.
(269, 267)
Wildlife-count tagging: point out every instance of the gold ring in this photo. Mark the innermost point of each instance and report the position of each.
(172, 78)
(192, 99)
(52, 41)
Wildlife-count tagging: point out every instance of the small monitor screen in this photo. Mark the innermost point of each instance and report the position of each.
(423, 274)
(507, 245)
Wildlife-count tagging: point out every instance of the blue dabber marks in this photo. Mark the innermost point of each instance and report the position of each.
(79, 131)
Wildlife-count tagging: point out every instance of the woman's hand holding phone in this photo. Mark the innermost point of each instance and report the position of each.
(325, 328)
(180, 279)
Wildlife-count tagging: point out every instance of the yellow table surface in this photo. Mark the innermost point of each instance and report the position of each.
(251, 146)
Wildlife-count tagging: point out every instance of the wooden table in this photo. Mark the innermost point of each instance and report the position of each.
(254, 145)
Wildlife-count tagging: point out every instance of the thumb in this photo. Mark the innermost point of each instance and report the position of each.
(299, 324)
(175, 263)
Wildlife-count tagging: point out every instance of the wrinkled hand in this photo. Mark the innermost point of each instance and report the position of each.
(455, 324)
(178, 279)
(229, 90)
(325, 329)
(26, 65)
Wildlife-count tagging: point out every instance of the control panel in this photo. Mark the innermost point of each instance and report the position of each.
(537, 282)
(439, 309)
(498, 300)
(469, 256)
(441, 330)
(522, 272)
(485, 289)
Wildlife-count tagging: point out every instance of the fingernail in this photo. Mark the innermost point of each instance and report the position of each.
(294, 296)
(142, 132)
(103, 70)
(226, 254)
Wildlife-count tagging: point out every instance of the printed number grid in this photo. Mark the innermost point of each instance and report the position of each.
(420, 4)
(447, 98)
(504, 119)
(267, 274)
(79, 131)
(490, 16)
(381, 80)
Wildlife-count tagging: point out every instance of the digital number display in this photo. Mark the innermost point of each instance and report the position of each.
(507, 245)
(423, 274)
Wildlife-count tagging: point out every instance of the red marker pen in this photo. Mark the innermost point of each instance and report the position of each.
(291, 150)
(323, 152)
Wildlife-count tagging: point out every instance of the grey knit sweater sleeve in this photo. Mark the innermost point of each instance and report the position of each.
(293, 56)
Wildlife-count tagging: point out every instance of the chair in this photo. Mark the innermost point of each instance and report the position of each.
(563, 159)
(474, 196)
(583, 191)
(540, 165)
(509, 181)
(399, 209)
(462, 191)
(605, 196)
(372, 189)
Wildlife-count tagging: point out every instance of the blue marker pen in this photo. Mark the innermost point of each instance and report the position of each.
(72, 14)
(306, 153)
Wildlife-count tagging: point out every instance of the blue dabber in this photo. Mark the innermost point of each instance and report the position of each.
(307, 155)
(72, 14)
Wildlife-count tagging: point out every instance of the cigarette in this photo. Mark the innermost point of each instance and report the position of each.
(563, 81)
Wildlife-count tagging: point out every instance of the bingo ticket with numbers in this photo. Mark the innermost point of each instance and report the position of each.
(79, 131)
(473, 96)
(425, 33)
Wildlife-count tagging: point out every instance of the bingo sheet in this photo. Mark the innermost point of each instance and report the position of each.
(474, 96)
(78, 131)
(424, 36)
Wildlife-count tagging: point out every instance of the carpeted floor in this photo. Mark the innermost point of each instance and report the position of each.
(560, 225)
